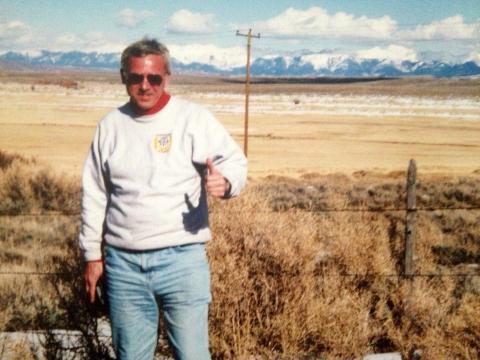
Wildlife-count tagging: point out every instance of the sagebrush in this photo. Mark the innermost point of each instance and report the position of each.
(291, 279)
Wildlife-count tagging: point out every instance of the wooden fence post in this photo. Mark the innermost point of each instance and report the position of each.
(410, 227)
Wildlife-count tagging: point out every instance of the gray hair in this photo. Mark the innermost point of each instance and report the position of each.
(145, 47)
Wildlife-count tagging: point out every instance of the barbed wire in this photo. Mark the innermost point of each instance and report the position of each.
(373, 209)
(39, 273)
(41, 215)
(428, 209)
(33, 273)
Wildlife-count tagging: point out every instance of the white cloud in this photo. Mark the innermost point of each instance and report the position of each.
(447, 29)
(14, 33)
(224, 58)
(475, 57)
(131, 18)
(17, 36)
(91, 41)
(187, 22)
(67, 40)
(88, 42)
(393, 53)
(317, 22)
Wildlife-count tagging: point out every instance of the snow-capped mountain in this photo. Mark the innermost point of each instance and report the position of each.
(304, 65)
(71, 59)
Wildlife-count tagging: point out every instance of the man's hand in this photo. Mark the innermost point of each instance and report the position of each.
(93, 271)
(215, 183)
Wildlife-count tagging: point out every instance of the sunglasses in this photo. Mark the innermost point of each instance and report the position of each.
(135, 79)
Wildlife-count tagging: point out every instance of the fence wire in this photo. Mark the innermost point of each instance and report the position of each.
(373, 209)
(39, 273)
(366, 210)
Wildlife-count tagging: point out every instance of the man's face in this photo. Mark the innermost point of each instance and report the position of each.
(146, 80)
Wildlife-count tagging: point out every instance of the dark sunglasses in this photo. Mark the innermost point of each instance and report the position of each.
(135, 79)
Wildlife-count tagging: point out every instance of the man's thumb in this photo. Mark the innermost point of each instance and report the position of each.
(211, 168)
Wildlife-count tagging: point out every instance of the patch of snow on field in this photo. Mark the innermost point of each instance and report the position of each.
(106, 96)
(351, 105)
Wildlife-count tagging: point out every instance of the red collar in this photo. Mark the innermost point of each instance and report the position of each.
(156, 108)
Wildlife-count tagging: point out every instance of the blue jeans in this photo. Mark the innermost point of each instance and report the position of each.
(139, 283)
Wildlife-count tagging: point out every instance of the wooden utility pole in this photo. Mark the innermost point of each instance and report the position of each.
(247, 86)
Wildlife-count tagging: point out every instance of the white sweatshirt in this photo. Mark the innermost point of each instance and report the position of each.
(143, 178)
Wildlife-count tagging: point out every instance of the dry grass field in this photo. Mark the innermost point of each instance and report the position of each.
(334, 127)
(290, 279)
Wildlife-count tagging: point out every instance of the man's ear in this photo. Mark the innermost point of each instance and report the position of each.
(122, 75)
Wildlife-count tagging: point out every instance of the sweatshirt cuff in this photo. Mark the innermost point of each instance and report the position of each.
(235, 185)
(92, 255)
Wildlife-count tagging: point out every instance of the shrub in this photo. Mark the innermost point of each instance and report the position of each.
(54, 193)
(15, 193)
(27, 187)
(7, 159)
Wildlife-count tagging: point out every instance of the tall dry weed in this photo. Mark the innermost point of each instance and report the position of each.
(279, 289)
(291, 277)
(292, 281)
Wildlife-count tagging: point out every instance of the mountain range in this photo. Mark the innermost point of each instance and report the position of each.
(305, 65)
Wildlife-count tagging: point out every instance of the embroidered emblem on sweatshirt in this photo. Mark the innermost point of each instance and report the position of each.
(162, 142)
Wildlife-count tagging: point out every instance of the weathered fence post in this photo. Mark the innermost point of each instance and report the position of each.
(410, 227)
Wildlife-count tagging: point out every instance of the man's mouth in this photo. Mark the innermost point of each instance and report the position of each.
(144, 96)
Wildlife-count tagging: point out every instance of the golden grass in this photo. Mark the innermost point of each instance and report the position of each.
(300, 282)
(289, 278)
(56, 124)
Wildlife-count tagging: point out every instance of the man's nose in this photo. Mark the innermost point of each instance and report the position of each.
(145, 84)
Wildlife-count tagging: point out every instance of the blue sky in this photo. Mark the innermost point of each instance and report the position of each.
(415, 30)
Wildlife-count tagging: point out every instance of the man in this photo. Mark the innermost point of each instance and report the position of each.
(151, 163)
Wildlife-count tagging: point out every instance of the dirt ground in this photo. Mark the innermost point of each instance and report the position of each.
(293, 128)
